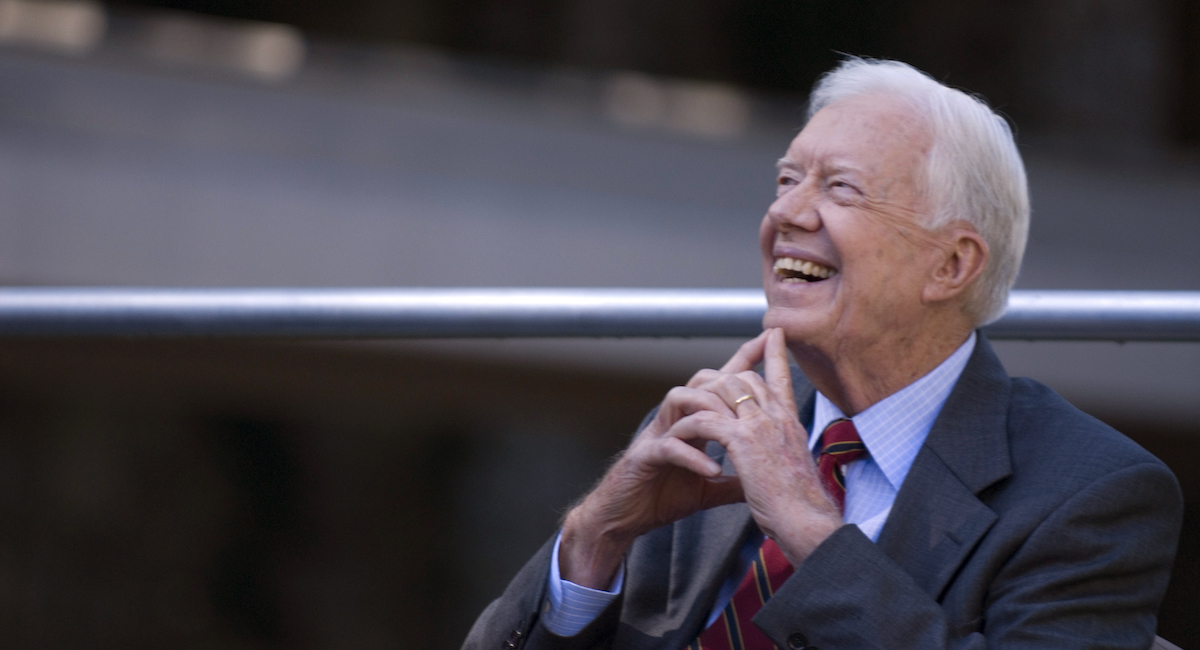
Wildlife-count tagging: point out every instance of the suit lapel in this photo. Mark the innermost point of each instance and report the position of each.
(699, 570)
(937, 518)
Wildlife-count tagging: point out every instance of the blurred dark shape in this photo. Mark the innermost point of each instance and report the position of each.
(440, 578)
(339, 497)
(269, 523)
(1187, 51)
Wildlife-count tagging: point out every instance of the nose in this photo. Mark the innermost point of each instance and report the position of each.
(796, 207)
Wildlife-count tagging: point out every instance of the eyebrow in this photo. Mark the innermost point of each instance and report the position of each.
(835, 168)
(843, 168)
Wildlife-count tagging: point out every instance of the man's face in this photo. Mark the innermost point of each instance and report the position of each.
(844, 256)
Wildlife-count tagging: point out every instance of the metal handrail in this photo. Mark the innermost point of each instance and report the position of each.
(508, 313)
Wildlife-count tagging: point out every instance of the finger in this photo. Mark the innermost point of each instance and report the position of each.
(747, 401)
(682, 401)
(702, 426)
(776, 370)
(741, 390)
(703, 377)
(749, 394)
(679, 453)
(747, 356)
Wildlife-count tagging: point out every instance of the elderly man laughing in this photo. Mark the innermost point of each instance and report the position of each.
(900, 490)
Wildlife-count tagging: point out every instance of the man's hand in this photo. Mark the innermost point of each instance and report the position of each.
(659, 479)
(665, 476)
(764, 439)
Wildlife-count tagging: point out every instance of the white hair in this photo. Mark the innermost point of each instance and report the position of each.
(974, 171)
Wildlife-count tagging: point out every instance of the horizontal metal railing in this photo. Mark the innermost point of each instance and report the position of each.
(502, 313)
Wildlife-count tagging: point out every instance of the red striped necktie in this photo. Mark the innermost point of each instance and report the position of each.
(840, 445)
(733, 630)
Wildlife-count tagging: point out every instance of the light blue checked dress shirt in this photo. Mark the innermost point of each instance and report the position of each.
(893, 430)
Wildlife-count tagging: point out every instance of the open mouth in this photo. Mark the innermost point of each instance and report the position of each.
(791, 269)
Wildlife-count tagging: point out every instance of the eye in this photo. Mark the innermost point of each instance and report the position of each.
(842, 189)
(785, 182)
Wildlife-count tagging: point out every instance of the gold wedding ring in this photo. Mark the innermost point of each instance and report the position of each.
(744, 398)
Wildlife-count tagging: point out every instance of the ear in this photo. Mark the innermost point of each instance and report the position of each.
(964, 255)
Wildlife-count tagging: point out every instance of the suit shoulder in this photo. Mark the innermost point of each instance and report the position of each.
(1044, 425)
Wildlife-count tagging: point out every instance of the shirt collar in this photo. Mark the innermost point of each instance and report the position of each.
(894, 428)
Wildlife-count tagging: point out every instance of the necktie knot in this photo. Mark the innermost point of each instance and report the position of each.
(840, 444)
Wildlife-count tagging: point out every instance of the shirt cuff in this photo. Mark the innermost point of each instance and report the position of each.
(570, 607)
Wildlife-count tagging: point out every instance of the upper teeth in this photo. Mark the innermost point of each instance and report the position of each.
(804, 266)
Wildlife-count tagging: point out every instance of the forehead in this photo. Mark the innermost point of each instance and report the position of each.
(874, 134)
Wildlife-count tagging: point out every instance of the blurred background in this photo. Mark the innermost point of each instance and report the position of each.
(282, 494)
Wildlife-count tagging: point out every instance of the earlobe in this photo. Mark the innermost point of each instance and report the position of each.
(963, 260)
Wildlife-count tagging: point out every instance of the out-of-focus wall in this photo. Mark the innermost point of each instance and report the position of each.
(412, 168)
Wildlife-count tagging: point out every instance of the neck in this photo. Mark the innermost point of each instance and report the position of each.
(854, 377)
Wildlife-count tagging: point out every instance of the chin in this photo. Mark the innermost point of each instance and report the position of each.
(793, 321)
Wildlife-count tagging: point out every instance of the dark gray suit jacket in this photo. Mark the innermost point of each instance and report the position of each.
(1023, 523)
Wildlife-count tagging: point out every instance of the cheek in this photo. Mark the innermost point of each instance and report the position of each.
(766, 236)
(882, 274)
(894, 284)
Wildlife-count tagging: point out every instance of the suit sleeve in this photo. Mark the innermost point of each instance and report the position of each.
(1091, 574)
(512, 621)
